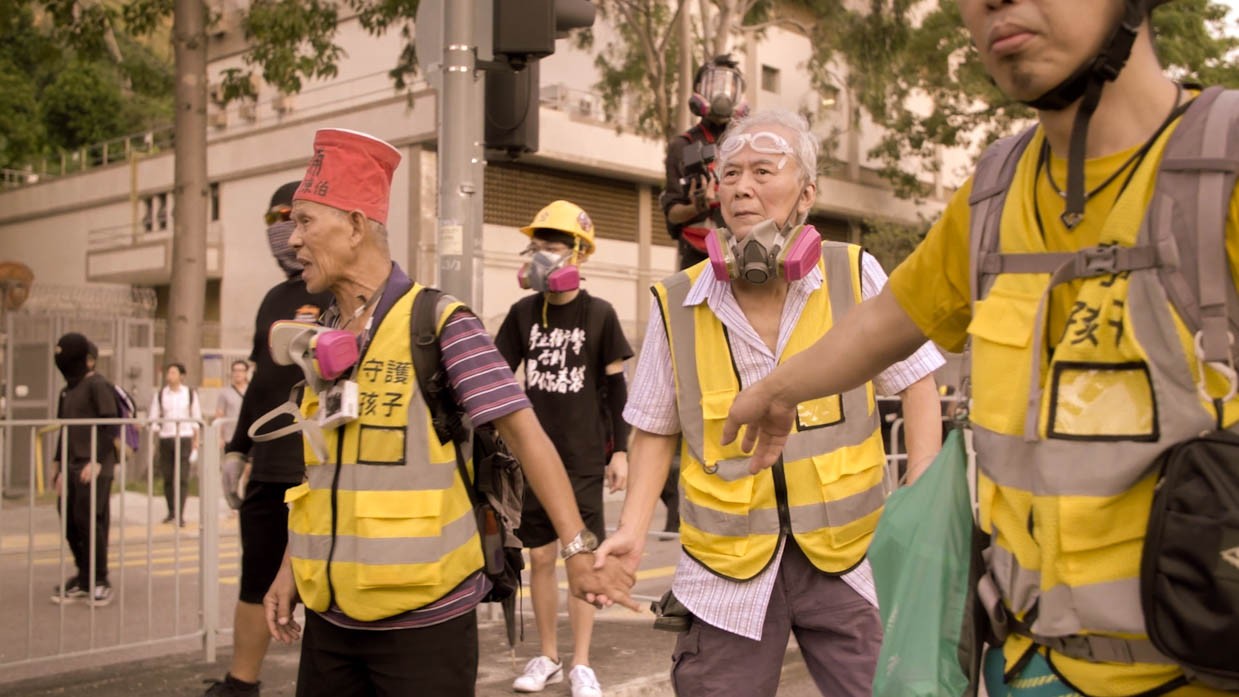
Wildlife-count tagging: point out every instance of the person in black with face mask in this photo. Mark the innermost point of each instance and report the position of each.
(86, 461)
(274, 466)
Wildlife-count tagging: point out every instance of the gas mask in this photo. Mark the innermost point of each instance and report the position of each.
(546, 272)
(765, 253)
(325, 357)
(718, 94)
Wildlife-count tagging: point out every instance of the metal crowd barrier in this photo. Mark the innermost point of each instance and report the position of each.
(149, 613)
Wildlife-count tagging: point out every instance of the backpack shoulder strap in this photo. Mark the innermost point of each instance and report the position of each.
(1187, 222)
(424, 346)
(990, 183)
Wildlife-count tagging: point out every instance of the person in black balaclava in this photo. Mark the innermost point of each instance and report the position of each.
(275, 466)
(83, 471)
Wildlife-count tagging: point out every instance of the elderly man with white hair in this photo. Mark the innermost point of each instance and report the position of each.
(782, 550)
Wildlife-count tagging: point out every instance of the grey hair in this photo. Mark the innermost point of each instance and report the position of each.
(804, 145)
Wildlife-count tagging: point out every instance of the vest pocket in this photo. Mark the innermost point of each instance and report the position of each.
(398, 514)
(380, 445)
(834, 467)
(714, 408)
(819, 413)
(1102, 537)
(394, 537)
(1102, 401)
(299, 518)
(1002, 329)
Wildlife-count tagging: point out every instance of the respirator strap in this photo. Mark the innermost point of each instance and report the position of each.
(313, 433)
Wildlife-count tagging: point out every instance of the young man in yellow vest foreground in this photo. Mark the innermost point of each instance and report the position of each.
(383, 545)
(783, 550)
(1076, 386)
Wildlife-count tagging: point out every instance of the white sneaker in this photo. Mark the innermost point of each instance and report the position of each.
(584, 682)
(539, 673)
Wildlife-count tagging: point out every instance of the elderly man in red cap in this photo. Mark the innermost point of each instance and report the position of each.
(383, 547)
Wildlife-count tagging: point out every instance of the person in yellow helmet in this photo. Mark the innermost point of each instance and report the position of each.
(573, 350)
(1061, 268)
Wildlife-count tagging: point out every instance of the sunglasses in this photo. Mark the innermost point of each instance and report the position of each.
(763, 142)
(278, 214)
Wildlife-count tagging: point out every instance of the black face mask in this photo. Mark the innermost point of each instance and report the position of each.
(285, 255)
(71, 353)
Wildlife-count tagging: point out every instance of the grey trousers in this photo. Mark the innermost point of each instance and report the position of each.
(839, 634)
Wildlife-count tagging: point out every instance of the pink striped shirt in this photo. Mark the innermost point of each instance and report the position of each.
(739, 607)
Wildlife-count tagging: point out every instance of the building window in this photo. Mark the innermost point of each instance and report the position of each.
(770, 79)
(214, 201)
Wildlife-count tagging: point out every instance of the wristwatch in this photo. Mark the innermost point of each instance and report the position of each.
(585, 541)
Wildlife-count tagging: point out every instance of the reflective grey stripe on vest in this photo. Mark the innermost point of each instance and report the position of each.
(441, 475)
(765, 521)
(398, 550)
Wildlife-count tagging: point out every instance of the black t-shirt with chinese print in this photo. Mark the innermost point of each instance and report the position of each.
(565, 358)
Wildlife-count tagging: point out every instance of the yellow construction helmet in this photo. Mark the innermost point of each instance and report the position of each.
(566, 217)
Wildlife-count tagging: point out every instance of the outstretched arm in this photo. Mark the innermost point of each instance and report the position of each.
(871, 337)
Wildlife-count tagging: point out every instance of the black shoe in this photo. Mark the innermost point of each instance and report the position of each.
(102, 597)
(71, 591)
(231, 687)
(182, 523)
(169, 519)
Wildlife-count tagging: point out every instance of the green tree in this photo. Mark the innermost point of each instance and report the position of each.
(83, 104)
(894, 64)
(75, 73)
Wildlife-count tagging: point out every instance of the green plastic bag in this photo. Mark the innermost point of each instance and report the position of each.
(926, 560)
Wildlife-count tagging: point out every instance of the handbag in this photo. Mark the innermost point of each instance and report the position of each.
(926, 558)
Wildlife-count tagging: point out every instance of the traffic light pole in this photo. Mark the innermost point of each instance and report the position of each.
(460, 157)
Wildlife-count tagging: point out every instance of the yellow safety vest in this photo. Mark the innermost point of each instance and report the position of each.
(386, 525)
(827, 491)
(1066, 438)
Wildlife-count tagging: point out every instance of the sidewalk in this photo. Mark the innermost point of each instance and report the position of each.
(631, 660)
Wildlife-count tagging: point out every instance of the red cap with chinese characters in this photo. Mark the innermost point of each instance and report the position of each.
(350, 171)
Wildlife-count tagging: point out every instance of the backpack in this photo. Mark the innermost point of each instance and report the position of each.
(130, 436)
(1189, 572)
(498, 485)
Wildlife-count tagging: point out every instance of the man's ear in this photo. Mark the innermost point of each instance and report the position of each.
(359, 227)
(808, 195)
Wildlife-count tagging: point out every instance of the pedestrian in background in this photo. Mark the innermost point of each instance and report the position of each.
(273, 466)
(573, 350)
(228, 405)
(178, 440)
(86, 463)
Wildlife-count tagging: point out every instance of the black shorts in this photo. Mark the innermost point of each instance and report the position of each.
(536, 529)
(264, 535)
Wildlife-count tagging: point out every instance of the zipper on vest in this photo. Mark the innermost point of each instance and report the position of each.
(335, 493)
(780, 496)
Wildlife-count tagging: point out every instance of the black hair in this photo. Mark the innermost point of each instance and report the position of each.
(283, 196)
(180, 367)
(553, 236)
(240, 362)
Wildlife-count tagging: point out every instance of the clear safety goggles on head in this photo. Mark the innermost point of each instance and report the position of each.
(719, 81)
(763, 142)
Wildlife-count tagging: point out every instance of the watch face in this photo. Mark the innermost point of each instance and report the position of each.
(589, 540)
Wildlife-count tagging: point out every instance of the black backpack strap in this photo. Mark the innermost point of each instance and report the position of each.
(445, 414)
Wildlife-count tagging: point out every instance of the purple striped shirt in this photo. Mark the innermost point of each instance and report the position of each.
(482, 383)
